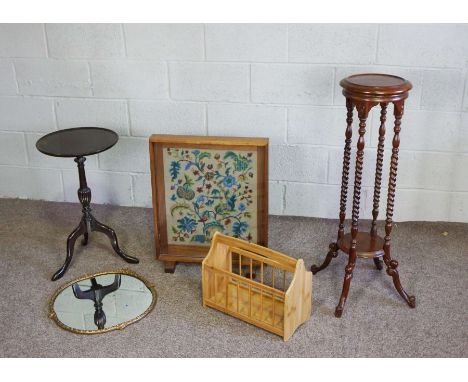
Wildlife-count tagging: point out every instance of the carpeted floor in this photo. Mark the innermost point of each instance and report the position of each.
(376, 321)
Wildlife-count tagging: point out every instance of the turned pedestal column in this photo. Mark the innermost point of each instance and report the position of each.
(363, 92)
(81, 142)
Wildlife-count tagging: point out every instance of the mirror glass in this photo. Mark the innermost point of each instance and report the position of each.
(102, 302)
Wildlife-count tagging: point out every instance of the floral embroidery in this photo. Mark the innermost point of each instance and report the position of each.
(186, 224)
(229, 181)
(207, 191)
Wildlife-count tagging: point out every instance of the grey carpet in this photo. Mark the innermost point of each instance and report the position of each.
(376, 321)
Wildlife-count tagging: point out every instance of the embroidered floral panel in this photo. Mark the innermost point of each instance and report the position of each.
(210, 190)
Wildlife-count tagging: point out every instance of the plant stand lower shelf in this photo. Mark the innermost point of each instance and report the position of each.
(278, 300)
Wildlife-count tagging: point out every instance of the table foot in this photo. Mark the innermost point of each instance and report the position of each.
(81, 229)
(338, 311)
(169, 266)
(344, 294)
(378, 263)
(85, 239)
(392, 271)
(346, 283)
(110, 233)
(333, 252)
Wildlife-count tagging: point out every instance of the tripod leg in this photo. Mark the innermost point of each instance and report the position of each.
(378, 263)
(347, 281)
(363, 112)
(392, 264)
(333, 252)
(85, 238)
(81, 229)
(392, 271)
(110, 233)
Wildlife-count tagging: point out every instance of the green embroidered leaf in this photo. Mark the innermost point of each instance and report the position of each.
(188, 181)
(204, 154)
(211, 225)
(231, 202)
(179, 206)
(247, 214)
(241, 164)
(219, 208)
(174, 169)
(230, 154)
(174, 229)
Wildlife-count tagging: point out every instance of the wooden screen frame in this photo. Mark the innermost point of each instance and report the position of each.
(192, 253)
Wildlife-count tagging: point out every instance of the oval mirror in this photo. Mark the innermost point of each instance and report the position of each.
(102, 302)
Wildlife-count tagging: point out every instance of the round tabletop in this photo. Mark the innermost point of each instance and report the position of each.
(77, 142)
(375, 85)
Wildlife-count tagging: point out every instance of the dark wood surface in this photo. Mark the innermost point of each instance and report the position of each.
(366, 244)
(375, 87)
(378, 168)
(363, 92)
(77, 142)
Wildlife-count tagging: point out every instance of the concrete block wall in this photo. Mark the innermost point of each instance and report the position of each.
(274, 80)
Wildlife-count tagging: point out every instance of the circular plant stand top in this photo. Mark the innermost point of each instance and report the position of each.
(77, 142)
(375, 87)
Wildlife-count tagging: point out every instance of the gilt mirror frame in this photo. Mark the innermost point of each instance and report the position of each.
(253, 152)
(125, 272)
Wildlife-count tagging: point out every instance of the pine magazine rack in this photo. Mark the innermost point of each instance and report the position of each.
(275, 292)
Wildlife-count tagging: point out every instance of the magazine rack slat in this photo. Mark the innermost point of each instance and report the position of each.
(267, 301)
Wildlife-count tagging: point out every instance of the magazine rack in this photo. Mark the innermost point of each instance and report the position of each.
(279, 299)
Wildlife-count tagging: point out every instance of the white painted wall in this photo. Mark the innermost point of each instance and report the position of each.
(273, 80)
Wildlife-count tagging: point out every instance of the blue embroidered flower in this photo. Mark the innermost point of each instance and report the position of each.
(242, 207)
(186, 224)
(239, 228)
(229, 181)
(196, 152)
